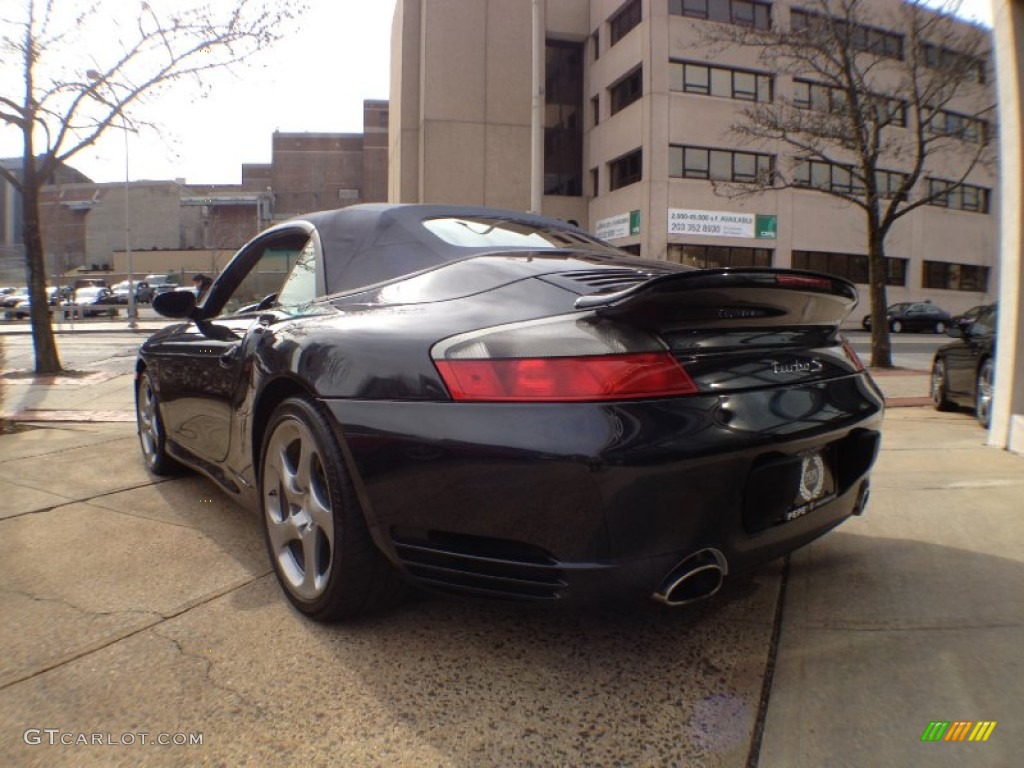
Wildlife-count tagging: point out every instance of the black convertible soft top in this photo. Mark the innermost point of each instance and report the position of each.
(368, 244)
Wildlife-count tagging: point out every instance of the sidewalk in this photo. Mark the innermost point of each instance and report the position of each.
(133, 604)
(903, 387)
(912, 614)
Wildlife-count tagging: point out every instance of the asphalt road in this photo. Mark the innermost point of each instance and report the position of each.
(909, 350)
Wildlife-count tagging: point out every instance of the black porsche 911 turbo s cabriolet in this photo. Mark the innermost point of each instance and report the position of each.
(493, 403)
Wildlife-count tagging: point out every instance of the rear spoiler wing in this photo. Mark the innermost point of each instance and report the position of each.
(753, 295)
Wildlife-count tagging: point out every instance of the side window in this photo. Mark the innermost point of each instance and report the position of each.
(268, 274)
(984, 325)
(299, 289)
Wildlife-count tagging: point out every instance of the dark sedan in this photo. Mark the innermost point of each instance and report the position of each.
(914, 316)
(962, 372)
(492, 403)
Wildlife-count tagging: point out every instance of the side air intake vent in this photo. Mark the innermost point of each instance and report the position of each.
(607, 280)
(479, 566)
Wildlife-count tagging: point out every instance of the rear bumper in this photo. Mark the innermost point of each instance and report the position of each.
(589, 500)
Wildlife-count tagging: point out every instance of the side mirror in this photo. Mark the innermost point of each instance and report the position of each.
(175, 304)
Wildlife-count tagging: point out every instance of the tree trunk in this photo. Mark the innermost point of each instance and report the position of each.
(881, 347)
(47, 359)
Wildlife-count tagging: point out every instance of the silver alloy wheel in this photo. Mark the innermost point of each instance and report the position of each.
(938, 382)
(897, 326)
(940, 327)
(983, 394)
(149, 425)
(299, 516)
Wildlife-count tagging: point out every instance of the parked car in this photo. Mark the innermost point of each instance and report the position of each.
(913, 316)
(18, 306)
(91, 301)
(966, 318)
(13, 298)
(493, 403)
(963, 371)
(152, 285)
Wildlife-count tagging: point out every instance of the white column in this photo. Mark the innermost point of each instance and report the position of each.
(1007, 430)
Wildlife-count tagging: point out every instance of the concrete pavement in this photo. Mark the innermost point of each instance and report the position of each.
(132, 605)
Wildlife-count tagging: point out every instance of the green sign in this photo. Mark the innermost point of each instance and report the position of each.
(634, 222)
(766, 227)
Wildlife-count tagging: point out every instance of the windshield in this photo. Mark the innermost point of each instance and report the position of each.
(483, 232)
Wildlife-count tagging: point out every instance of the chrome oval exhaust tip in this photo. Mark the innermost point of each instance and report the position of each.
(696, 577)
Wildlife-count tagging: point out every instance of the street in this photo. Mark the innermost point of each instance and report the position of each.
(912, 351)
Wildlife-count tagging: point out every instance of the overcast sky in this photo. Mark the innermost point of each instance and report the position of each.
(316, 80)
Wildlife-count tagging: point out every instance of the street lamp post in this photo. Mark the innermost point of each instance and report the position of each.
(132, 308)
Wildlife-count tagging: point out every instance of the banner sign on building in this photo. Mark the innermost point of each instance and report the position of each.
(720, 224)
(623, 225)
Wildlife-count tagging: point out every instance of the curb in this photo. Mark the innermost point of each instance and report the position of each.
(907, 402)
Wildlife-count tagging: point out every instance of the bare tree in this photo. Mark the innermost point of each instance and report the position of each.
(82, 69)
(879, 101)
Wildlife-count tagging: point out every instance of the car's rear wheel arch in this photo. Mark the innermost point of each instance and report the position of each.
(271, 396)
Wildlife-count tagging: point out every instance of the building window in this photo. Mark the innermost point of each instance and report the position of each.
(840, 179)
(627, 90)
(963, 127)
(595, 109)
(720, 165)
(810, 95)
(719, 256)
(966, 197)
(954, 277)
(690, 77)
(740, 12)
(595, 182)
(623, 21)
(563, 118)
(850, 266)
(626, 170)
(861, 37)
(631, 249)
(937, 57)
(595, 40)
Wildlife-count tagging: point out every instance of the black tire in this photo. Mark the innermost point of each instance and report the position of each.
(940, 326)
(866, 323)
(983, 393)
(940, 387)
(151, 429)
(896, 326)
(318, 541)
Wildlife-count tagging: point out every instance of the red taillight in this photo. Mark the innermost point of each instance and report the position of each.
(852, 356)
(559, 379)
(804, 281)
